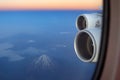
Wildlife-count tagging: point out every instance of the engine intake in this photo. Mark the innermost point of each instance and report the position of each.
(89, 21)
(87, 44)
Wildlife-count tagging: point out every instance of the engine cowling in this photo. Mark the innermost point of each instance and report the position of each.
(87, 44)
(89, 21)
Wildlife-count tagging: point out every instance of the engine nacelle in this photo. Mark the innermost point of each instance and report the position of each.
(87, 44)
(89, 21)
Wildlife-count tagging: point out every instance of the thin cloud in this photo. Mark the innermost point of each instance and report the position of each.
(10, 55)
(60, 45)
(31, 41)
(6, 52)
(64, 32)
(4, 46)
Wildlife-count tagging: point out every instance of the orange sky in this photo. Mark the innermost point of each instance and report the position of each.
(49, 4)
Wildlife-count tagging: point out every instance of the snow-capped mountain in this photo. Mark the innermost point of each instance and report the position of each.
(42, 67)
(43, 62)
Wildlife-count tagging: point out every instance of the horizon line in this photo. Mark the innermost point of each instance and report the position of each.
(49, 9)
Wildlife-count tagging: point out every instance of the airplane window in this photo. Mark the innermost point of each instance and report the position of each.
(49, 39)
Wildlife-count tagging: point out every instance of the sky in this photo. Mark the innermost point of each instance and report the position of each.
(49, 4)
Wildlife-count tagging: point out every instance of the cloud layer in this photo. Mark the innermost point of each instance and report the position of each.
(6, 52)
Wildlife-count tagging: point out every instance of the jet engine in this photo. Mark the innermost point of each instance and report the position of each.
(89, 21)
(87, 40)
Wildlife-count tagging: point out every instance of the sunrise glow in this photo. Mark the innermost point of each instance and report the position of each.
(49, 4)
